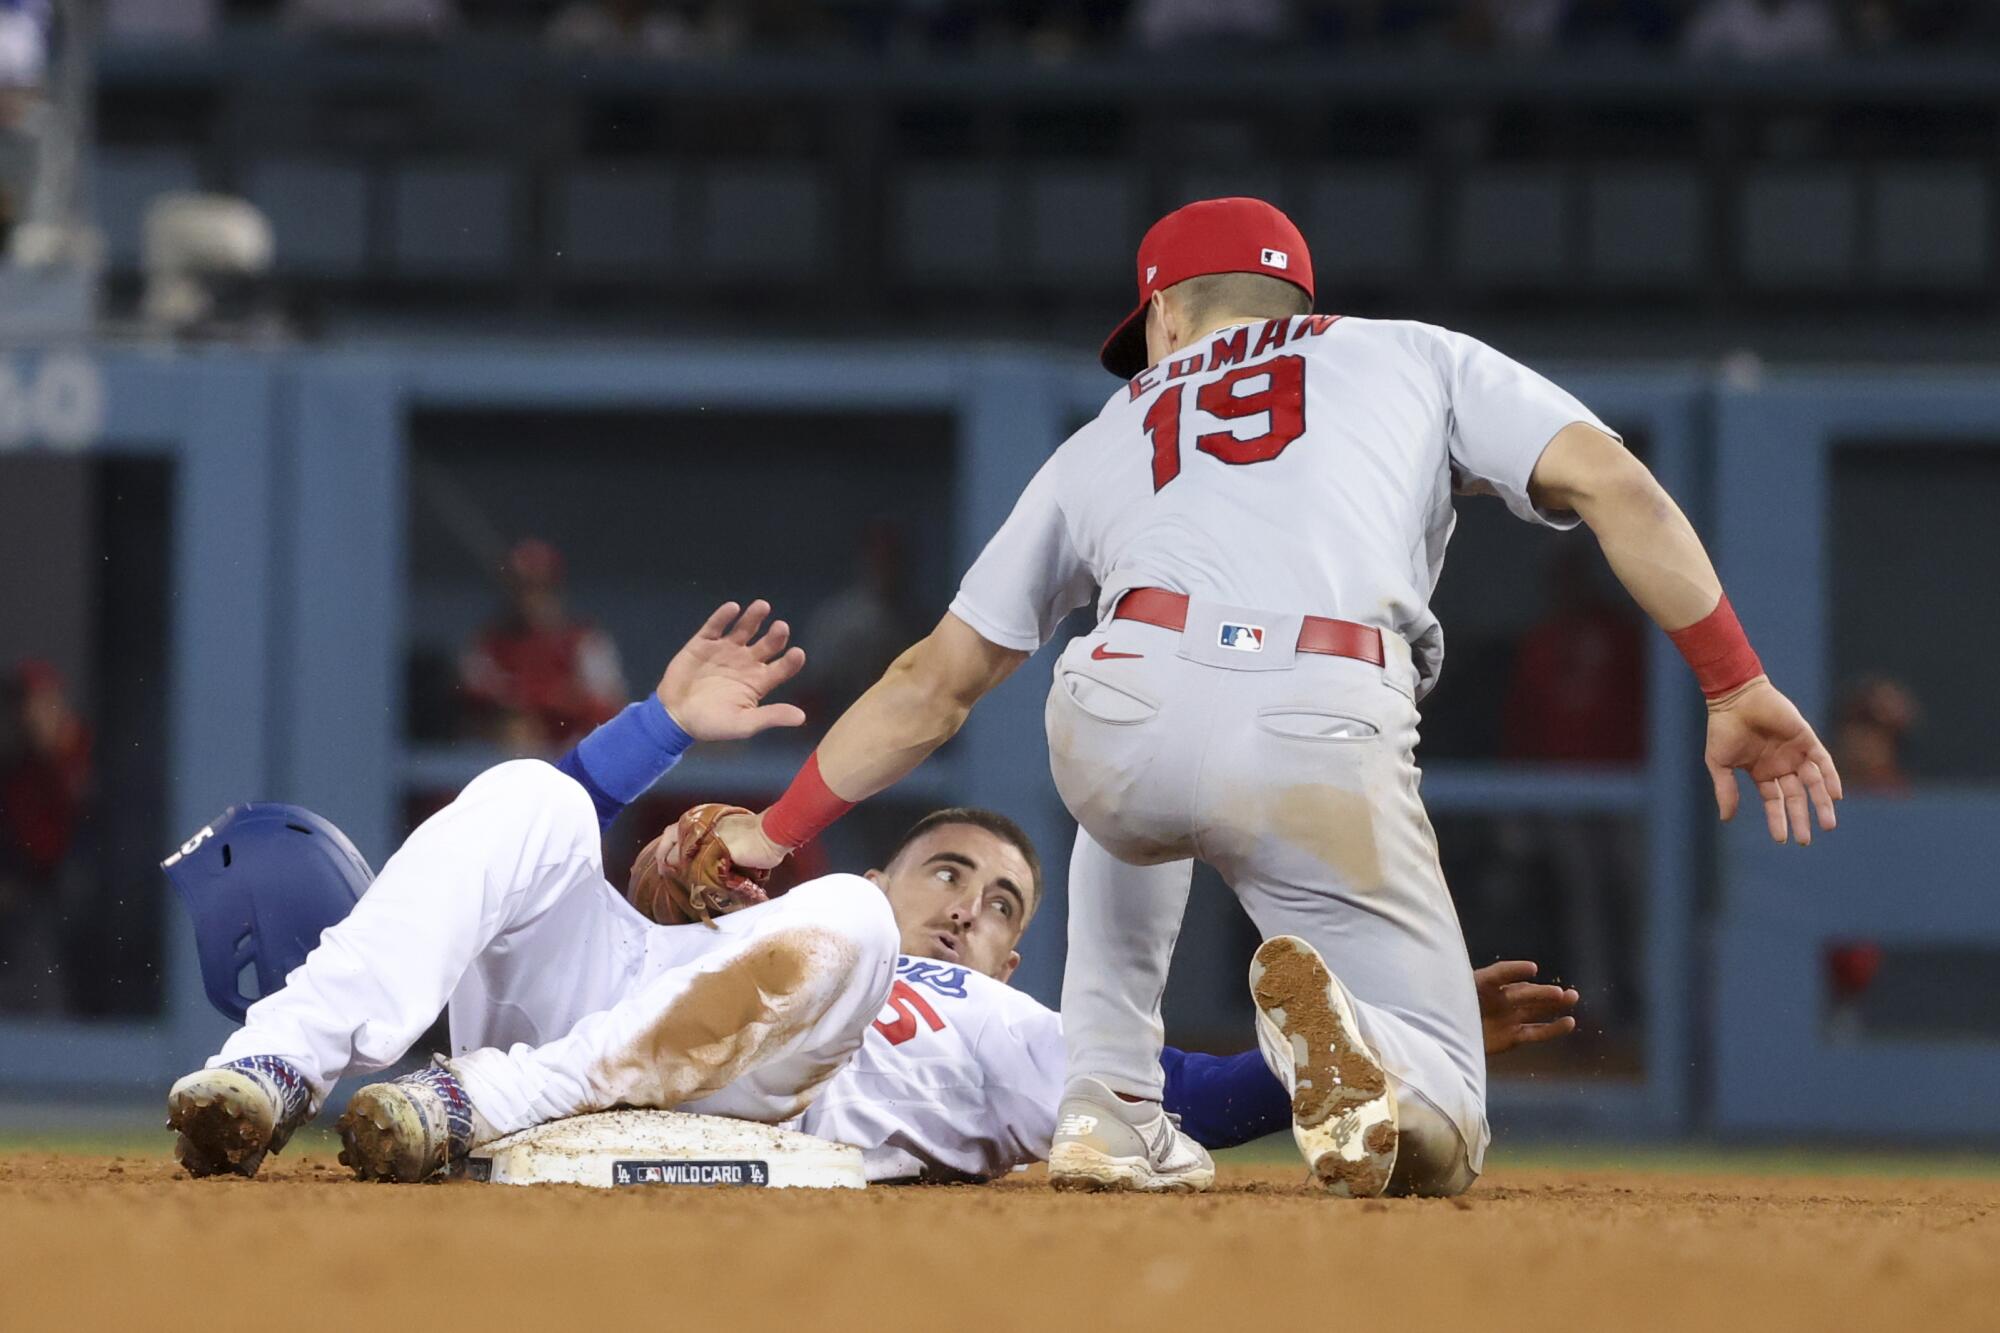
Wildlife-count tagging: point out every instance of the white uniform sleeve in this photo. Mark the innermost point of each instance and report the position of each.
(1029, 576)
(1500, 415)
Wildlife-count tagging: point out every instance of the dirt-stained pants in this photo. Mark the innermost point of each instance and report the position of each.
(563, 999)
(1294, 775)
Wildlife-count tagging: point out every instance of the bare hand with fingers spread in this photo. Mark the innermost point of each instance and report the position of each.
(714, 688)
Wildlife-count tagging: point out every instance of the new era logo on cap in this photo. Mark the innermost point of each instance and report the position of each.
(1206, 237)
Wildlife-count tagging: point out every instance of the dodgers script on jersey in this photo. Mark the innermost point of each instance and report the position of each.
(1303, 464)
(958, 1079)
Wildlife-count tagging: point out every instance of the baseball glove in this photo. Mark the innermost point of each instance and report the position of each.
(686, 875)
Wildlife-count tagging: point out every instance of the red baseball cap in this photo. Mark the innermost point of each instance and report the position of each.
(1211, 236)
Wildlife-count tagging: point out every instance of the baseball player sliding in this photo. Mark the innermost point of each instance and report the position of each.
(562, 997)
(1261, 513)
(952, 1074)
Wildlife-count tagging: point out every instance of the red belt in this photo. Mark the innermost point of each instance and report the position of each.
(1334, 638)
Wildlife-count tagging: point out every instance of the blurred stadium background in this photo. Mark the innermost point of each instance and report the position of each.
(389, 386)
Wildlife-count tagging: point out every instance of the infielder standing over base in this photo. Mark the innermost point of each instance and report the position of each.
(1263, 511)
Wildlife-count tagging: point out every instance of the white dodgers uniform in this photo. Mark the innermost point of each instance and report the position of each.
(959, 1078)
(1272, 471)
(563, 998)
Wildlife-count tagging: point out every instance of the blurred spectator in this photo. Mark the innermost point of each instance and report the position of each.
(852, 637)
(24, 44)
(24, 56)
(1890, 23)
(636, 28)
(769, 25)
(1169, 24)
(1376, 22)
(159, 20)
(1511, 25)
(539, 677)
(1874, 716)
(1049, 30)
(1616, 24)
(24, 60)
(1741, 29)
(1764, 30)
(45, 767)
(1577, 692)
(1851, 968)
(375, 18)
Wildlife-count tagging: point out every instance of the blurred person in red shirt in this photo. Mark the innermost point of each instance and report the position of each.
(45, 770)
(539, 677)
(1578, 695)
(1578, 692)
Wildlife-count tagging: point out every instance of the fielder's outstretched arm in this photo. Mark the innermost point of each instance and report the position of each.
(1651, 546)
(919, 704)
(1655, 553)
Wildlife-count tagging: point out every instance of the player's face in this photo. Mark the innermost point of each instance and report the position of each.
(961, 895)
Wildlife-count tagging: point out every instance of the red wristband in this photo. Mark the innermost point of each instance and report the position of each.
(807, 809)
(1715, 646)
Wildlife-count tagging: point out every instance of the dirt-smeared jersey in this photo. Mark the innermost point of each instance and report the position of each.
(959, 1078)
(1304, 465)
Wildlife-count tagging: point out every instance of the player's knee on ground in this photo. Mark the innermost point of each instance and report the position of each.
(1431, 1159)
(853, 909)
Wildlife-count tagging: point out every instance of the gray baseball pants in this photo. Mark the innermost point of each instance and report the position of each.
(1294, 776)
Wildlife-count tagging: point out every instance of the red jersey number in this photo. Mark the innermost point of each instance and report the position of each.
(909, 1007)
(1282, 399)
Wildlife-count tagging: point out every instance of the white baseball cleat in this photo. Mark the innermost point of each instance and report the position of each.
(419, 1127)
(232, 1116)
(1104, 1142)
(1343, 1109)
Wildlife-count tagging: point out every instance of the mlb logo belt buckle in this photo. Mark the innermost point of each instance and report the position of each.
(1241, 638)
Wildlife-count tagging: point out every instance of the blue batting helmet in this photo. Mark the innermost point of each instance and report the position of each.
(261, 883)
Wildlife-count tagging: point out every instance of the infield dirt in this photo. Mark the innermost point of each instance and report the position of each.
(125, 1242)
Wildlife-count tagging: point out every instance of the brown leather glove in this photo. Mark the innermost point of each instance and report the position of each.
(685, 874)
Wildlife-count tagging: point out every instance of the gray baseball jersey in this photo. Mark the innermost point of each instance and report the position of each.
(1304, 464)
(1292, 467)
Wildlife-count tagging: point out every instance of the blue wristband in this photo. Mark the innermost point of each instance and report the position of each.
(633, 750)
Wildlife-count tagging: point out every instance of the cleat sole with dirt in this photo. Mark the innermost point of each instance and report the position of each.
(225, 1120)
(383, 1137)
(1343, 1107)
